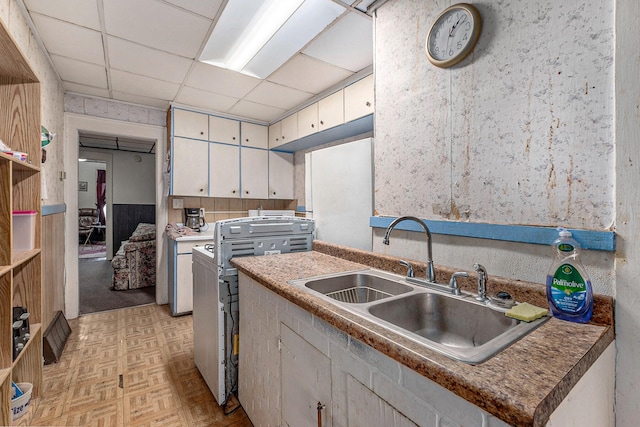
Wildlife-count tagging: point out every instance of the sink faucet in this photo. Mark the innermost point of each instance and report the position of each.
(482, 282)
(431, 274)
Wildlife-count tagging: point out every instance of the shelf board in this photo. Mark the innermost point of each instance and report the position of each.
(4, 269)
(22, 257)
(19, 164)
(33, 331)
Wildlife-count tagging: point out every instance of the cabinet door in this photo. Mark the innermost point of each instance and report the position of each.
(358, 99)
(254, 173)
(305, 381)
(190, 124)
(224, 130)
(275, 135)
(331, 111)
(308, 121)
(280, 175)
(290, 128)
(254, 135)
(190, 166)
(224, 173)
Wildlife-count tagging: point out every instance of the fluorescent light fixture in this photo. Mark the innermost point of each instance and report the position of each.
(267, 20)
(256, 37)
(82, 160)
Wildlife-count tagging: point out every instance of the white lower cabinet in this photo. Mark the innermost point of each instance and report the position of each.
(290, 360)
(190, 167)
(305, 380)
(181, 274)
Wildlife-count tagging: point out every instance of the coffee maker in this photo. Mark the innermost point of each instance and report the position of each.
(194, 218)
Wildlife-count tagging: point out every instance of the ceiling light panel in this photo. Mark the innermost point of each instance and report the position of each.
(260, 34)
(307, 22)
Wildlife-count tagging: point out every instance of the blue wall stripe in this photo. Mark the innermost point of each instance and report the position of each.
(588, 239)
(53, 209)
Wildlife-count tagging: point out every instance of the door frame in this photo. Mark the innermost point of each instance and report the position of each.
(73, 124)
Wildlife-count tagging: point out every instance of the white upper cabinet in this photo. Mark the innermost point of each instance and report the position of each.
(280, 175)
(224, 170)
(308, 121)
(275, 135)
(254, 173)
(254, 135)
(224, 130)
(290, 128)
(331, 110)
(190, 124)
(190, 167)
(358, 99)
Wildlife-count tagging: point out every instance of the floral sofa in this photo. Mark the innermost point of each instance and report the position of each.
(134, 265)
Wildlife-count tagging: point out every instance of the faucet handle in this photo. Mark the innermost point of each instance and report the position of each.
(409, 266)
(453, 283)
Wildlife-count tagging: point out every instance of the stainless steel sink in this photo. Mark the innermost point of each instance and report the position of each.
(357, 287)
(457, 326)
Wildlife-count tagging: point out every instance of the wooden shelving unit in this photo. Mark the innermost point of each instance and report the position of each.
(20, 272)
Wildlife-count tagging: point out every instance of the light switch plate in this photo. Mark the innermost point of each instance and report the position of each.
(178, 204)
(201, 212)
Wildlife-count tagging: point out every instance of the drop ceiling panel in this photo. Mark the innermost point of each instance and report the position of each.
(79, 72)
(84, 13)
(86, 90)
(142, 86)
(347, 44)
(141, 100)
(152, 44)
(206, 8)
(309, 74)
(205, 100)
(134, 58)
(256, 111)
(221, 81)
(72, 41)
(156, 24)
(276, 95)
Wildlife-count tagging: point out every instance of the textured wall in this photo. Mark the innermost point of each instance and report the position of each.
(521, 132)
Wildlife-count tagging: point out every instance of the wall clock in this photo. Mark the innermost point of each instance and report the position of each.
(453, 35)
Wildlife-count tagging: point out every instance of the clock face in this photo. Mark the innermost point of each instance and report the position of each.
(453, 35)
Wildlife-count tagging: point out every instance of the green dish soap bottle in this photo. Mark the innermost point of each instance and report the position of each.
(568, 287)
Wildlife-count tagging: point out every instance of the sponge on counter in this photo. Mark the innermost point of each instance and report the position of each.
(526, 312)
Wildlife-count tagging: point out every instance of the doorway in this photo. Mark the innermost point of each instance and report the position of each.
(76, 124)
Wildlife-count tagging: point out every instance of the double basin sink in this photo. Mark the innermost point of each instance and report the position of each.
(456, 326)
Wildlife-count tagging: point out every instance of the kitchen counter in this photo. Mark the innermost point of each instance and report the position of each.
(522, 385)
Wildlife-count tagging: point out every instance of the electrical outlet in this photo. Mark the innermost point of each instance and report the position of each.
(202, 212)
(178, 204)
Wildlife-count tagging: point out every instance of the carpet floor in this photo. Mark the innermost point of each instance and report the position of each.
(94, 277)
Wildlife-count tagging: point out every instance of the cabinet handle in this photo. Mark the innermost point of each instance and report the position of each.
(368, 104)
(312, 125)
(202, 190)
(320, 407)
(321, 122)
(233, 138)
(201, 133)
(247, 140)
(246, 192)
(233, 191)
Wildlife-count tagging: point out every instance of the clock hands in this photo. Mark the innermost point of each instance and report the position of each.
(460, 20)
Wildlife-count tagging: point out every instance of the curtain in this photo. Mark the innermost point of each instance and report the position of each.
(101, 193)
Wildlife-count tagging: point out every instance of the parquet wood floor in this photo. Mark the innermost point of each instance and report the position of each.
(131, 367)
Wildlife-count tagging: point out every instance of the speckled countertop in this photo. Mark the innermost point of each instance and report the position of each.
(522, 385)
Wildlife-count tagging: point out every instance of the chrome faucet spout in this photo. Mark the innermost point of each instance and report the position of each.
(431, 274)
(482, 282)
